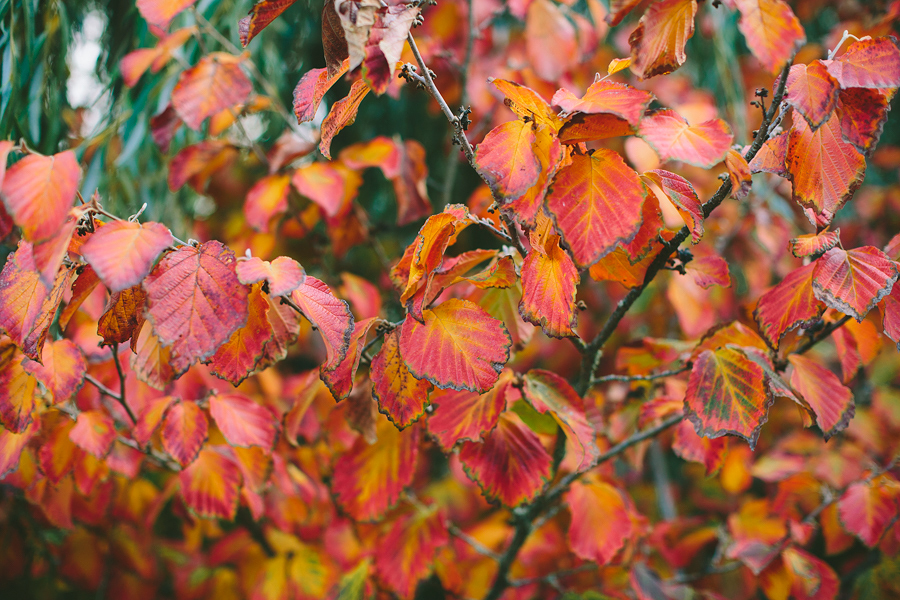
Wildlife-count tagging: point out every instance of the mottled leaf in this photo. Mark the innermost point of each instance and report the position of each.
(400, 396)
(674, 138)
(184, 431)
(853, 281)
(214, 84)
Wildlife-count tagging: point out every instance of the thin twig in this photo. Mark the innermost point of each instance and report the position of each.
(103, 389)
(824, 333)
(475, 544)
(121, 397)
(552, 577)
(650, 377)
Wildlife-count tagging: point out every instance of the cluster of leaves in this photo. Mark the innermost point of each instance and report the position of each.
(159, 410)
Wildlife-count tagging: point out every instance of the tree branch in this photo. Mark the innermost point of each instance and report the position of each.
(650, 377)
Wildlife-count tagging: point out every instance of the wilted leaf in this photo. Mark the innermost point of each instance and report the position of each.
(123, 316)
(385, 44)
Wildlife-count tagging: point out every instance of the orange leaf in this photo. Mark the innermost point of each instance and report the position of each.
(342, 114)
(11, 446)
(137, 62)
(601, 523)
(854, 281)
(812, 91)
(824, 169)
(657, 45)
(467, 416)
(150, 418)
(262, 13)
(739, 174)
(94, 432)
(328, 314)
(549, 153)
(466, 347)
(49, 254)
(61, 369)
(400, 396)
(771, 157)
(266, 199)
(831, 401)
(772, 31)
(789, 304)
(812, 578)
(596, 203)
(672, 137)
(410, 184)
(242, 421)
(506, 160)
(863, 113)
(152, 362)
(311, 88)
(123, 252)
(214, 84)
(196, 163)
(868, 63)
(184, 431)
(606, 97)
(211, 484)
(325, 184)
(237, 358)
(548, 392)
(161, 12)
(727, 394)
(123, 317)
(385, 44)
(550, 40)
(814, 244)
(525, 102)
(510, 465)
(38, 192)
(285, 324)
(17, 389)
(867, 509)
(549, 284)
(340, 379)
(369, 478)
(707, 271)
(57, 453)
(591, 128)
(195, 301)
(682, 195)
(282, 276)
(409, 548)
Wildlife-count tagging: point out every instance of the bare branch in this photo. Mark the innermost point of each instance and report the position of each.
(650, 377)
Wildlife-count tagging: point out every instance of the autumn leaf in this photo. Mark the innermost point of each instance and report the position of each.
(281, 276)
(237, 358)
(673, 138)
(136, 63)
(772, 31)
(601, 523)
(214, 84)
(709, 270)
(549, 152)
(152, 362)
(196, 163)
(311, 88)
(863, 113)
(853, 281)
(61, 370)
(868, 509)
(789, 304)
(11, 447)
(123, 317)
(195, 301)
(812, 91)
(150, 419)
(467, 348)
(161, 12)
(727, 394)
(683, 197)
(122, 253)
(506, 160)
(771, 156)
(550, 40)
(868, 63)
(17, 389)
(690, 446)
(549, 285)
(38, 192)
(343, 113)
(242, 421)
(356, 18)
(210, 485)
(262, 13)
(340, 379)
(461, 415)
(266, 199)
(184, 431)
(385, 44)
(329, 315)
(369, 478)
(815, 244)
(510, 465)
(657, 45)
(831, 401)
(409, 548)
(526, 102)
(606, 97)
(400, 396)
(739, 174)
(94, 432)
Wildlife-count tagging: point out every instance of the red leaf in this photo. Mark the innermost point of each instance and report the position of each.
(285, 324)
(123, 252)
(385, 44)
(57, 454)
(342, 114)
(709, 270)
(400, 396)
(510, 465)
(771, 157)
(237, 358)
(596, 203)
(408, 550)
(772, 31)
(831, 401)
(657, 45)
(815, 243)
(311, 88)
(727, 394)
(152, 362)
(867, 509)
(197, 162)
(466, 416)
(38, 192)
(17, 389)
(267, 199)
(854, 281)
(329, 315)
(210, 485)
(184, 431)
(11, 446)
(242, 421)
(85, 284)
(548, 392)
(672, 137)
(340, 379)
(789, 304)
(137, 62)
(550, 40)
(606, 97)
(328, 185)
(549, 153)
(863, 113)
(690, 446)
(868, 63)
(94, 432)
(410, 184)
(466, 347)
(283, 275)
(812, 91)
(601, 521)
(812, 578)
(195, 301)
(262, 13)
(591, 128)
(549, 285)
(150, 418)
(824, 169)
(682, 195)
(161, 12)
(369, 478)
(506, 160)
(49, 254)
(61, 369)
(214, 84)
